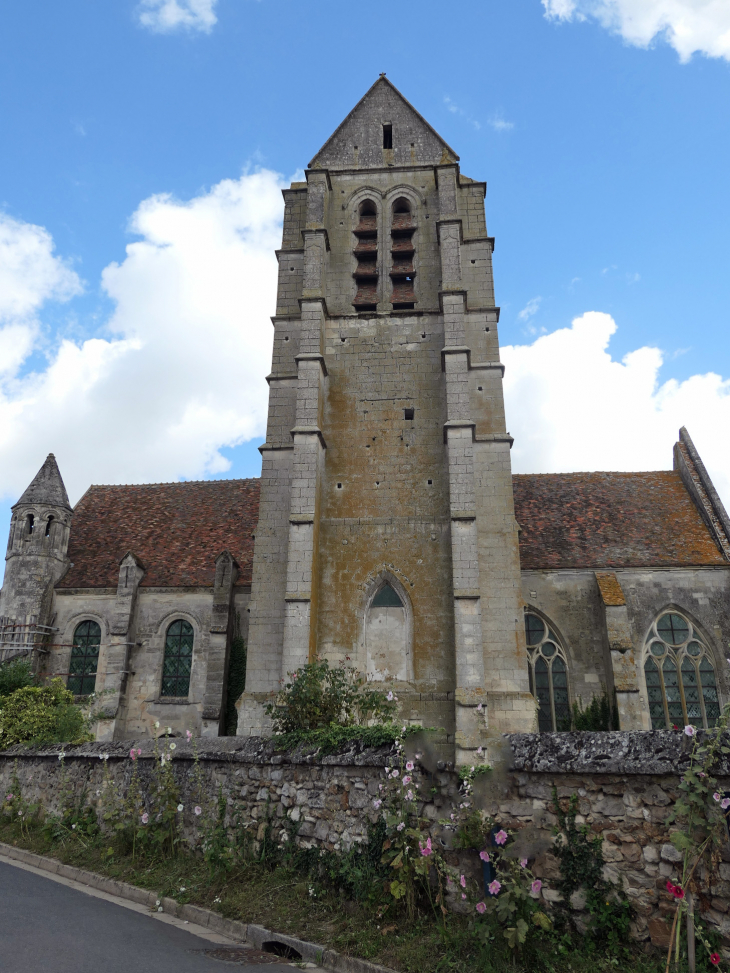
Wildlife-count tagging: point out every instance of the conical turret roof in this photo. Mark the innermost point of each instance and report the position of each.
(46, 487)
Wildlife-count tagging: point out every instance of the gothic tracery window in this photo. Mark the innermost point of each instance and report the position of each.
(178, 660)
(548, 675)
(84, 659)
(680, 677)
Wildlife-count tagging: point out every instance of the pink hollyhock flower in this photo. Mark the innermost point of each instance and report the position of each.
(523, 863)
(494, 887)
(479, 708)
(678, 892)
(410, 766)
(689, 731)
(376, 804)
(536, 886)
(481, 908)
(501, 837)
(463, 895)
(484, 855)
(401, 826)
(198, 810)
(145, 818)
(409, 796)
(715, 796)
(189, 735)
(133, 753)
(462, 881)
(426, 849)
(407, 779)
(395, 773)
(725, 803)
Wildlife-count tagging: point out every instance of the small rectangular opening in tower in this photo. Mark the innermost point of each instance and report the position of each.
(387, 136)
(408, 413)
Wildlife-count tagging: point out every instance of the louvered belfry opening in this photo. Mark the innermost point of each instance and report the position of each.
(366, 252)
(402, 273)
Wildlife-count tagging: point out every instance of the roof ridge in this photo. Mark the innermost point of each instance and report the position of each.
(232, 479)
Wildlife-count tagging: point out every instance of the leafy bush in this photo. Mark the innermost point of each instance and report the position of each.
(41, 714)
(598, 715)
(319, 696)
(15, 675)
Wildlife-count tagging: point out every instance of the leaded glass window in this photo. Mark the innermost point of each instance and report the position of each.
(178, 659)
(548, 675)
(84, 659)
(680, 677)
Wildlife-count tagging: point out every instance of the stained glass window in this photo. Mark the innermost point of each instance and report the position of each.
(84, 659)
(548, 675)
(178, 659)
(680, 677)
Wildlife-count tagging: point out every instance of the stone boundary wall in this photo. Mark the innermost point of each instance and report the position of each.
(625, 782)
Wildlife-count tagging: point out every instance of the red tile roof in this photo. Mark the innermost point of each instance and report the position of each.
(610, 520)
(176, 529)
(568, 520)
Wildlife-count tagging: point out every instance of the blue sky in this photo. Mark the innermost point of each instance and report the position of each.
(170, 127)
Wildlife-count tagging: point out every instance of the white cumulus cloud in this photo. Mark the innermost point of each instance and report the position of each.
(690, 26)
(165, 16)
(30, 272)
(178, 372)
(572, 407)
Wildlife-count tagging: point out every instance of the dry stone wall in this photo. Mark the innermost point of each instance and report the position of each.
(625, 782)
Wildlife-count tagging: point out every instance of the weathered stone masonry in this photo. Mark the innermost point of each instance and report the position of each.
(626, 783)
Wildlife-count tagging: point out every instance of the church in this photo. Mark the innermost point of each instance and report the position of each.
(387, 528)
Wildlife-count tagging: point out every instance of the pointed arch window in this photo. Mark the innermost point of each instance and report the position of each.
(402, 273)
(178, 660)
(366, 253)
(680, 677)
(387, 636)
(84, 659)
(548, 672)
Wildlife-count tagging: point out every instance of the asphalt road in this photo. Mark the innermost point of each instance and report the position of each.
(46, 927)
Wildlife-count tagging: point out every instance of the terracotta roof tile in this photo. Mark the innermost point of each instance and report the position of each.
(176, 529)
(610, 520)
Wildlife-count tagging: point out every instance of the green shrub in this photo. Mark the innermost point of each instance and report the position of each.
(598, 715)
(41, 714)
(15, 675)
(319, 696)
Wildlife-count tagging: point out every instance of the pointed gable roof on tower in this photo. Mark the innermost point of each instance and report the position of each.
(46, 487)
(358, 143)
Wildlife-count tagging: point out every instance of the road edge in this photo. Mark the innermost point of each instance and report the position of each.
(242, 932)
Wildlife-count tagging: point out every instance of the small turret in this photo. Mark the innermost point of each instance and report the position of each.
(36, 558)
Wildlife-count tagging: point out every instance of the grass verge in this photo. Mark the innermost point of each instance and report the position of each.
(283, 899)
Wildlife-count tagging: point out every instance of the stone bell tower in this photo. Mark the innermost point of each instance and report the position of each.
(387, 533)
(36, 558)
